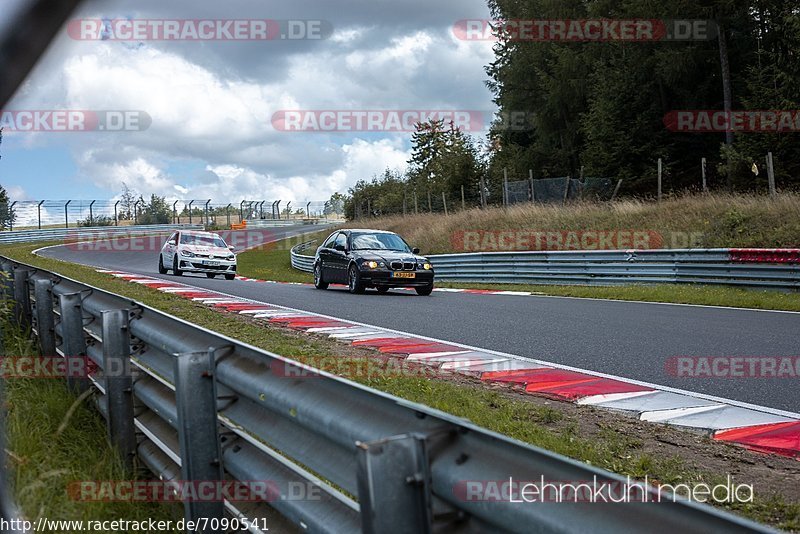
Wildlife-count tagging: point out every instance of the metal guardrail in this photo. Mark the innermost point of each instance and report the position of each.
(196, 405)
(300, 261)
(23, 236)
(612, 267)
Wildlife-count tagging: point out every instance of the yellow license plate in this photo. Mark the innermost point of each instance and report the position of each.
(404, 275)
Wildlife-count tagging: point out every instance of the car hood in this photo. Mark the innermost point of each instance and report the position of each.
(216, 251)
(387, 255)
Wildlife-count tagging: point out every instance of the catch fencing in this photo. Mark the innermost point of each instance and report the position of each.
(195, 405)
(757, 268)
(42, 214)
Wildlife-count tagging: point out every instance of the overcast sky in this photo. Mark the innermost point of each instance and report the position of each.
(211, 102)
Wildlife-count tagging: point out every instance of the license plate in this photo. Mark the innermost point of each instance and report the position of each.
(212, 263)
(404, 275)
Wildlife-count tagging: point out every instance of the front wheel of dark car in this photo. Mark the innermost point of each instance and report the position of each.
(319, 283)
(424, 290)
(354, 284)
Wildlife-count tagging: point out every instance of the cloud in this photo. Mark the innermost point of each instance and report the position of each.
(211, 103)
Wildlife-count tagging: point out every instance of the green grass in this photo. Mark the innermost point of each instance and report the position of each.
(271, 262)
(542, 426)
(44, 461)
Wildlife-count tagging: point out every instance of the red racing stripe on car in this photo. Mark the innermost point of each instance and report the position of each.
(776, 438)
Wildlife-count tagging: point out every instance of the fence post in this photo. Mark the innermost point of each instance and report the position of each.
(416, 208)
(444, 201)
(39, 213)
(73, 340)
(198, 434)
(703, 169)
(91, 212)
(45, 320)
(119, 383)
(66, 214)
(404, 203)
(206, 211)
(771, 175)
(430, 205)
(567, 183)
(483, 191)
(22, 298)
(116, 218)
(394, 485)
(616, 189)
(660, 170)
(463, 201)
(505, 186)
(530, 180)
(190, 211)
(228, 213)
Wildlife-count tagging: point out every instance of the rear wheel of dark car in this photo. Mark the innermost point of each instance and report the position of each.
(230, 276)
(161, 268)
(424, 290)
(175, 269)
(354, 281)
(319, 283)
(210, 275)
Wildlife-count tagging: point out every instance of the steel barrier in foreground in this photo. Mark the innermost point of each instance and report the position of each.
(192, 404)
(94, 232)
(760, 268)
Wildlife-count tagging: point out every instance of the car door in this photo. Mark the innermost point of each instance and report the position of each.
(168, 251)
(339, 258)
(325, 256)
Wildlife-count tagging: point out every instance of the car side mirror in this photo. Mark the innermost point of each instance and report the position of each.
(231, 248)
(338, 247)
(415, 250)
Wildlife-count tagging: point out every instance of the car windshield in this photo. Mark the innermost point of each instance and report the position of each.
(203, 241)
(379, 242)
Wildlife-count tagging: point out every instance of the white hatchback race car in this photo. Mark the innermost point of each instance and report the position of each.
(197, 252)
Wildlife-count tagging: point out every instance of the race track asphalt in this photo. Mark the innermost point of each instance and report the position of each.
(628, 339)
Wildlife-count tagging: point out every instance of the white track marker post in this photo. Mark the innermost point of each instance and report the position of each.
(703, 170)
(660, 170)
(444, 202)
(505, 186)
(771, 175)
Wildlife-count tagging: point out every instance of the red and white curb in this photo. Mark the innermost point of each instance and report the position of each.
(439, 289)
(755, 427)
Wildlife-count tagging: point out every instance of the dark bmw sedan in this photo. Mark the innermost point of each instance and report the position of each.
(371, 258)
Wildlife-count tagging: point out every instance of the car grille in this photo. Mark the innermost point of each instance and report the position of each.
(402, 266)
(210, 267)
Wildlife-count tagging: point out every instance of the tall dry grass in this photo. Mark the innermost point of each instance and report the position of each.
(713, 220)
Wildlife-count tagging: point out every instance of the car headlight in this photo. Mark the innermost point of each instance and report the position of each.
(426, 266)
(231, 257)
(187, 253)
(371, 264)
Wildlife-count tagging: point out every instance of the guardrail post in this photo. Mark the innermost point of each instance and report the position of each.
(45, 320)
(22, 298)
(394, 485)
(74, 340)
(119, 383)
(198, 434)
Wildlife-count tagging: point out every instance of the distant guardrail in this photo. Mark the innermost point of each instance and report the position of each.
(760, 268)
(81, 232)
(300, 261)
(196, 406)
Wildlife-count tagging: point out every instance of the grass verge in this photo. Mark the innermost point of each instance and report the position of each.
(624, 446)
(49, 448)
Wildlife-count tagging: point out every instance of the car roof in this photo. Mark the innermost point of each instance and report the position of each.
(199, 233)
(359, 230)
